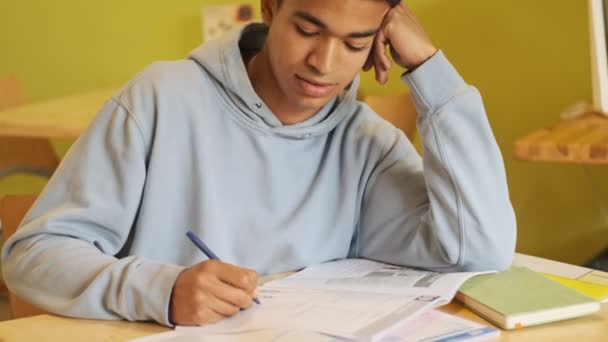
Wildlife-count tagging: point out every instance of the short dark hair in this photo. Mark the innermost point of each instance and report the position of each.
(391, 3)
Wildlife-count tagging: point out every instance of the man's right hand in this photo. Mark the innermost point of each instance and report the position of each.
(211, 291)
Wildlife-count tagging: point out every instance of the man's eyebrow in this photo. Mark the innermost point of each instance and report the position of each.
(364, 34)
(320, 24)
(311, 19)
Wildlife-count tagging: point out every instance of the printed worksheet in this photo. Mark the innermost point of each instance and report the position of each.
(371, 276)
(352, 315)
(354, 299)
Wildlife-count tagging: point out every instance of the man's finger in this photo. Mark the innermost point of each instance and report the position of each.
(377, 62)
(381, 61)
(222, 307)
(370, 60)
(207, 316)
(232, 295)
(381, 75)
(239, 277)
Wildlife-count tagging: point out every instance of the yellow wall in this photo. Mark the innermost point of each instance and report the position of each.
(528, 58)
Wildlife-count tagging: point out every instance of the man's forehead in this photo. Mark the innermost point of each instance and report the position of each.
(351, 7)
(354, 2)
(345, 16)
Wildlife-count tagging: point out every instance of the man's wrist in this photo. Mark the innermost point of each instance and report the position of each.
(434, 83)
(421, 59)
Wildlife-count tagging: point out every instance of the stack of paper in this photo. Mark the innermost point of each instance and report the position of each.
(353, 299)
(436, 326)
(430, 326)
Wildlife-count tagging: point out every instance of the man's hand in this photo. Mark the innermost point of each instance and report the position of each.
(410, 46)
(211, 291)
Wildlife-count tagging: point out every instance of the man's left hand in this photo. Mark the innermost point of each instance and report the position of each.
(409, 44)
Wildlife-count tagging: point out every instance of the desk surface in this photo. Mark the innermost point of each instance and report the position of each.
(581, 140)
(53, 328)
(64, 117)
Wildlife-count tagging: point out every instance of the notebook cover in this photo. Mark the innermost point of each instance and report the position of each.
(520, 290)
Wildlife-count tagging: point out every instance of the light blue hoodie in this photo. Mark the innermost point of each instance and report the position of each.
(189, 145)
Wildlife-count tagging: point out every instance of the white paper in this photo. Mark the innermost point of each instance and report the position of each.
(549, 266)
(169, 336)
(278, 335)
(561, 269)
(430, 326)
(355, 315)
(370, 276)
(355, 298)
(437, 326)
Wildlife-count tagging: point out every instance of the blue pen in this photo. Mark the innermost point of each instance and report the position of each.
(201, 245)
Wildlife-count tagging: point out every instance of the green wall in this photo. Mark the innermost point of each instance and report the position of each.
(529, 59)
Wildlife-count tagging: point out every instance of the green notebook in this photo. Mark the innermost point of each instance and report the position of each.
(520, 297)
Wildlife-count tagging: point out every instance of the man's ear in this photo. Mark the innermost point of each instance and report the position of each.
(269, 7)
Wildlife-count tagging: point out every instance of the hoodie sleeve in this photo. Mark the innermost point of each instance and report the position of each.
(62, 258)
(449, 211)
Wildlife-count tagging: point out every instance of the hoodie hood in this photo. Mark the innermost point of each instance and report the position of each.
(223, 60)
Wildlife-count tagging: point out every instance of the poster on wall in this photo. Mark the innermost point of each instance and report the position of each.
(218, 19)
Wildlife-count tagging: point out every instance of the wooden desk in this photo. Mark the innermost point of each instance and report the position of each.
(54, 328)
(582, 140)
(64, 117)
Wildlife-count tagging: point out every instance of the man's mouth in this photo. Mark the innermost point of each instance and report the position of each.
(314, 88)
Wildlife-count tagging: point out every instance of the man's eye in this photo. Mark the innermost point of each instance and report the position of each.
(304, 32)
(355, 48)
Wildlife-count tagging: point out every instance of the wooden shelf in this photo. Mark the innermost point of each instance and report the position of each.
(581, 140)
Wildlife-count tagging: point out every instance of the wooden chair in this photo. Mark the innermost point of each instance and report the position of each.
(12, 210)
(397, 109)
(11, 92)
(23, 154)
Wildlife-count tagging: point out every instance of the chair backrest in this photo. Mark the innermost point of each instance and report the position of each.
(23, 154)
(11, 92)
(396, 109)
(12, 210)
(27, 155)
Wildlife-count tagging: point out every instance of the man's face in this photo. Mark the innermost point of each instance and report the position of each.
(317, 47)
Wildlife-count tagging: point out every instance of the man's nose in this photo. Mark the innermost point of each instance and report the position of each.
(323, 57)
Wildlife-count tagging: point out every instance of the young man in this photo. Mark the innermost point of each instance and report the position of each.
(258, 145)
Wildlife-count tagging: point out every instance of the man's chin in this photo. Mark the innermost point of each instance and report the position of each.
(313, 103)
